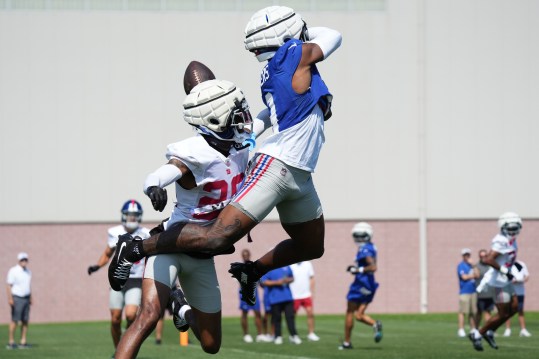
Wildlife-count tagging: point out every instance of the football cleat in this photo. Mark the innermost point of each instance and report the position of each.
(294, 339)
(177, 299)
(489, 337)
(246, 274)
(477, 345)
(345, 346)
(120, 267)
(378, 331)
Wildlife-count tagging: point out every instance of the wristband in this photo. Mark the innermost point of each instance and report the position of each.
(162, 177)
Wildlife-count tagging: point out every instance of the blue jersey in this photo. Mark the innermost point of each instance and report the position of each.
(278, 293)
(286, 106)
(466, 286)
(365, 282)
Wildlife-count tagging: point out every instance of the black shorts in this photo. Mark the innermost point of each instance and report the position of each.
(485, 304)
(20, 311)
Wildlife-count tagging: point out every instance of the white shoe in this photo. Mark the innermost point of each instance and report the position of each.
(294, 339)
(461, 333)
(313, 337)
(525, 333)
(278, 340)
(270, 337)
(507, 333)
(248, 338)
(262, 338)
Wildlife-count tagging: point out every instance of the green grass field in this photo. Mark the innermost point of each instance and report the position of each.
(430, 336)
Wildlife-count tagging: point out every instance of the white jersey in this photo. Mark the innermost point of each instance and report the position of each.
(19, 279)
(508, 253)
(217, 177)
(519, 277)
(137, 270)
(301, 286)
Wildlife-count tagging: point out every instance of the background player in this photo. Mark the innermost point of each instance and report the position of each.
(363, 289)
(501, 257)
(128, 298)
(302, 291)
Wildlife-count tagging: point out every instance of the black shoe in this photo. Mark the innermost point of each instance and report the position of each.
(177, 300)
(12, 346)
(345, 346)
(378, 331)
(489, 337)
(477, 345)
(120, 267)
(246, 274)
(157, 341)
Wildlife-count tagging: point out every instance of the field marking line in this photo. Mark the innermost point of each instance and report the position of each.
(271, 354)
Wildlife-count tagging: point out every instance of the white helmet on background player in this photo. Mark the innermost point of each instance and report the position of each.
(269, 28)
(219, 108)
(510, 224)
(131, 214)
(362, 233)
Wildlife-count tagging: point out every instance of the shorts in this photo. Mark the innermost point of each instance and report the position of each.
(131, 294)
(361, 295)
(20, 311)
(244, 307)
(197, 277)
(520, 299)
(274, 184)
(468, 303)
(304, 302)
(504, 294)
(485, 304)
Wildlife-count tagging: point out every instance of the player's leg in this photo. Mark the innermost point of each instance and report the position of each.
(276, 318)
(258, 324)
(154, 301)
(362, 317)
(351, 308)
(116, 304)
(201, 291)
(159, 329)
(133, 298)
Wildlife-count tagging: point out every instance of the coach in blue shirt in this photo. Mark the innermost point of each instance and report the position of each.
(467, 274)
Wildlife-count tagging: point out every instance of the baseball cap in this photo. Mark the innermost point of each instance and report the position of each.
(465, 251)
(22, 255)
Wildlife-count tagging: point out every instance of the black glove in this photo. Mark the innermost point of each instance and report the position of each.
(158, 196)
(510, 276)
(352, 269)
(92, 269)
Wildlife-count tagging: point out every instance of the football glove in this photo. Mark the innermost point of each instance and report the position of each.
(158, 196)
(518, 266)
(92, 269)
(505, 270)
(355, 270)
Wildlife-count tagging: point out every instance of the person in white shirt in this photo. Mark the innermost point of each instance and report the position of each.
(520, 276)
(302, 291)
(19, 297)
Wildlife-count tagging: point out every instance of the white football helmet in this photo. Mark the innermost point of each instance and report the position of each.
(510, 224)
(270, 28)
(362, 233)
(219, 108)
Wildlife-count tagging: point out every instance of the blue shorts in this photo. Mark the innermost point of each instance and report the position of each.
(244, 307)
(361, 295)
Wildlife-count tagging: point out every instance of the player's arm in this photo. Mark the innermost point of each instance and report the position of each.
(104, 259)
(371, 266)
(9, 295)
(154, 186)
(322, 43)
(261, 122)
(490, 259)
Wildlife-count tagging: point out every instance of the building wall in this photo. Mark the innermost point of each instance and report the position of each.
(63, 291)
(434, 106)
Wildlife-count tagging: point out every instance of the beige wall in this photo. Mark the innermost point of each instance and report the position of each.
(434, 107)
(60, 255)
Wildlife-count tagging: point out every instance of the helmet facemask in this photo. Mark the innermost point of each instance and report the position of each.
(361, 238)
(511, 230)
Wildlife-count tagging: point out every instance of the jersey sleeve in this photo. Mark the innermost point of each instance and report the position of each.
(501, 245)
(10, 277)
(112, 239)
(183, 151)
(288, 56)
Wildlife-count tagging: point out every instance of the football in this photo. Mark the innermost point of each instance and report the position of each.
(195, 73)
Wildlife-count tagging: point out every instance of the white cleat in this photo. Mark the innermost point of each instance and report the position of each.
(294, 339)
(461, 333)
(507, 333)
(525, 333)
(248, 338)
(313, 337)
